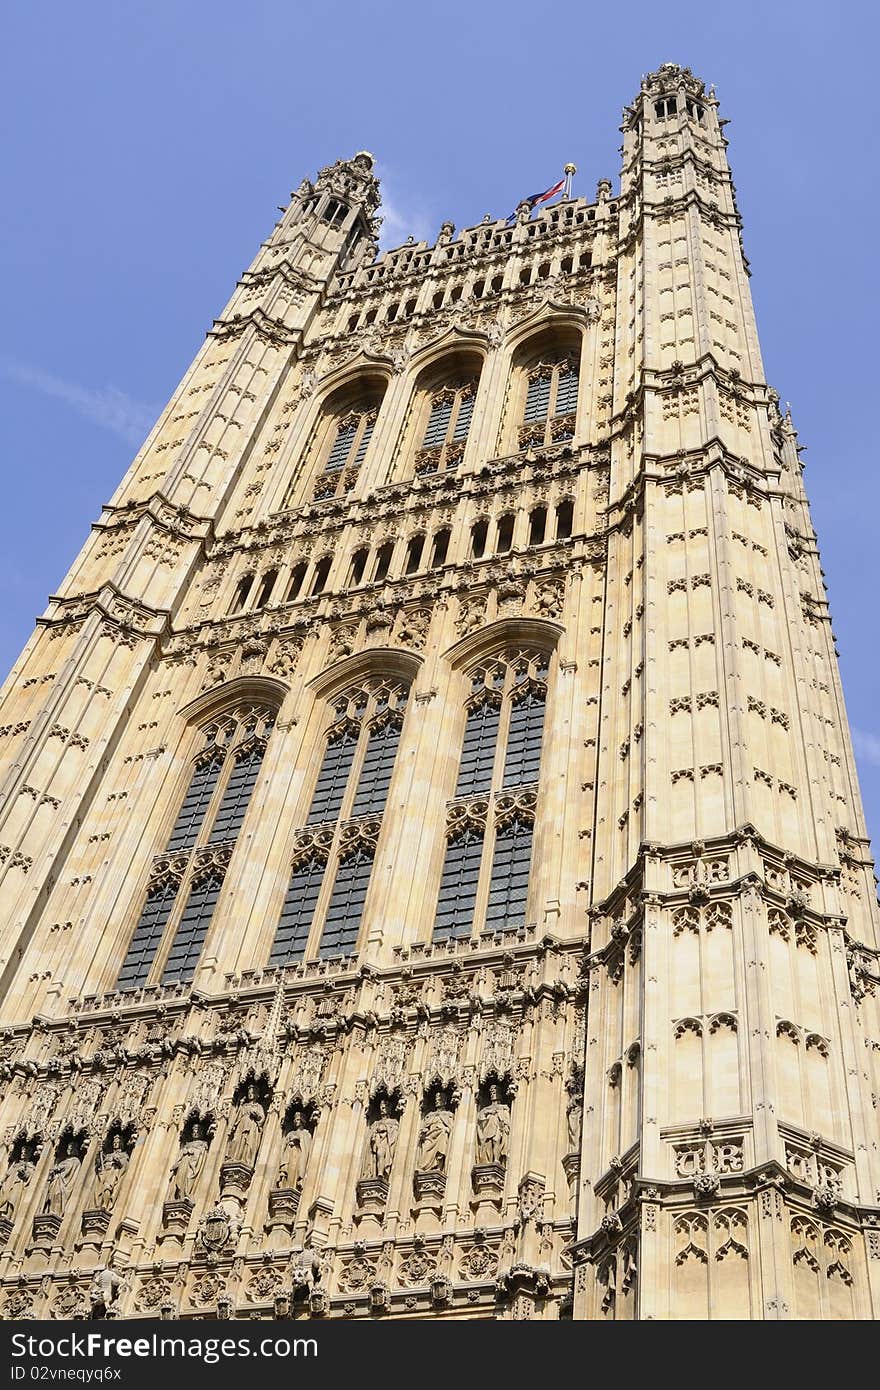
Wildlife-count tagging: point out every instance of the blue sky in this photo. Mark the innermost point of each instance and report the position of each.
(149, 143)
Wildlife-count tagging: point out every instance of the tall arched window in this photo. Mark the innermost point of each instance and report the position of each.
(339, 441)
(348, 448)
(544, 389)
(323, 907)
(484, 881)
(443, 409)
(187, 877)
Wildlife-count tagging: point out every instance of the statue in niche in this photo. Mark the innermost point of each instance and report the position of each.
(380, 1147)
(186, 1168)
(111, 1167)
(434, 1137)
(574, 1116)
(243, 1143)
(62, 1176)
(295, 1154)
(493, 1128)
(18, 1175)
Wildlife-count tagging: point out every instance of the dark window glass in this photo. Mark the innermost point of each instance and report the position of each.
(564, 519)
(322, 570)
(537, 526)
(333, 777)
(376, 772)
(192, 930)
(508, 887)
(267, 584)
(239, 598)
(346, 908)
(338, 456)
(297, 576)
(297, 913)
(365, 439)
(441, 547)
(383, 560)
(464, 417)
(438, 422)
(237, 795)
(479, 531)
(358, 565)
(147, 935)
(458, 886)
(414, 554)
(524, 740)
(195, 803)
(505, 534)
(567, 391)
(537, 398)
(478, 750)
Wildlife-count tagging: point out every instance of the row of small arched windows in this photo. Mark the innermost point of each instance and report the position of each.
(422, 552)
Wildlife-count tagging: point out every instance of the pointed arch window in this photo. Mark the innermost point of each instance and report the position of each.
(324, 906)
(550, 411)
(446, 430)
(347, 451)
(188, 876)
(485, 875)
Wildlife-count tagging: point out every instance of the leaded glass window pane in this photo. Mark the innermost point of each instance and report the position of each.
(509, 884)
(438, 422)
(567, 391)
(342, 445)
(478, 750)
(464, 417)
(458, 886)
(344, 913)
(333, 777)
(147, 935)
(524, 740)
(377, 769)
(236, 795)
(298, 913)
(195, 803)
(192, 930)
(538, 398)
(365, 439)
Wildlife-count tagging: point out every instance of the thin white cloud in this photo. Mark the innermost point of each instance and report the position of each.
(867, 746)
(109, 408)
(399, 221)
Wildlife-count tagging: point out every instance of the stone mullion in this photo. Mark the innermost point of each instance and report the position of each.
(657, 1010)
(416, 865)
(757, 1024)
(383, 451)
(148, 1175)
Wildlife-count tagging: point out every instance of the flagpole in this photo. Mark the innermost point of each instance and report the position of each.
(568, 171)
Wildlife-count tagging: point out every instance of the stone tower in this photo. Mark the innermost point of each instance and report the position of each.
(434, 877)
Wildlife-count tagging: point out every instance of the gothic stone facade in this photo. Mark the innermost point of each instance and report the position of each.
(434, 878)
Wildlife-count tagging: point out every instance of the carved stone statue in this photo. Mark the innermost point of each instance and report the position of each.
(243, 1143)
(574, 1116)
(187, 1166)
(380, 1148)
(295, 1154)
(62, 1176)
(16, 1179)
(434, 1138)
(105, 1289)
(111, 1169)
(493, 1129)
